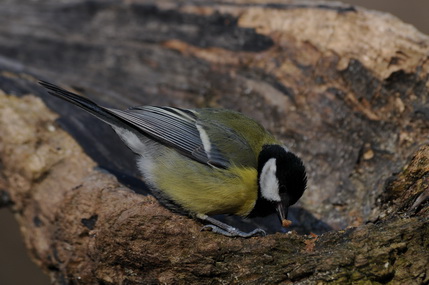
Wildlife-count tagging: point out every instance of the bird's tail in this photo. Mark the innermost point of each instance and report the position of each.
(86, 104)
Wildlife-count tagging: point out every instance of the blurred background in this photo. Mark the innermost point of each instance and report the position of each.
(413, 12)
(14, 258)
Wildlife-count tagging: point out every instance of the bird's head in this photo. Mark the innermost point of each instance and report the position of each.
(282, 180)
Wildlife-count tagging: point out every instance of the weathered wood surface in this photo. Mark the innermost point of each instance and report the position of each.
(343, 87)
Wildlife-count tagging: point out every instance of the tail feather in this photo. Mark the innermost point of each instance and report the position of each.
(84, 103)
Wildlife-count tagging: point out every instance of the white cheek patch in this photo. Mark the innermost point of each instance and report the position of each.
(268, 181)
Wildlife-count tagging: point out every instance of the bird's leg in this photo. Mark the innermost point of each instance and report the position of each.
(227, 230)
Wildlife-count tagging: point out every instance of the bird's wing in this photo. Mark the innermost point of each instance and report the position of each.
(174, 127)
(177, 128)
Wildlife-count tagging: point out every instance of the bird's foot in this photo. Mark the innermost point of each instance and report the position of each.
(217, 226)
(233, 232)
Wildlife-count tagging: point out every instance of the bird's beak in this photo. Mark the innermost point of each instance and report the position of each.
(282, 211)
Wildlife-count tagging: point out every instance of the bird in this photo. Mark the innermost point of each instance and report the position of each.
(205, 161)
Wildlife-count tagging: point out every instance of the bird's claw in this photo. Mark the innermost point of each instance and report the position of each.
(233, 232)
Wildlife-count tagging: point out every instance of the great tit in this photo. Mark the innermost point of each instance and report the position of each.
(202, 162)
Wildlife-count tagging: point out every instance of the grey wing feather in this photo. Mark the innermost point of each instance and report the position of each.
(177, 128)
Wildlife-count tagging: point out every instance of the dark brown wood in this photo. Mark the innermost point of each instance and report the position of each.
(345, 88)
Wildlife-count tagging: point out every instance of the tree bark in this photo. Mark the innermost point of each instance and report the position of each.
(345, 88)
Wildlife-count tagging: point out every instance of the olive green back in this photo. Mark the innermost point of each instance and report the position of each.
(241, 141)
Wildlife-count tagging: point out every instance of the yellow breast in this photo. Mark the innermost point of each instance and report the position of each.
(204, 190)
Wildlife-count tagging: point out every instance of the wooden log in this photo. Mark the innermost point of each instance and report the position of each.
(345, 88)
